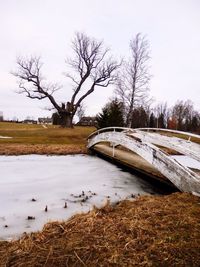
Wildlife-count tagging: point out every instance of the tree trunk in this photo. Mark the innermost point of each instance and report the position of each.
(66, 120)
(129, 119)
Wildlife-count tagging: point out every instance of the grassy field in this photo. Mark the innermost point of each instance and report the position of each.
(40, 139)
(40, 134)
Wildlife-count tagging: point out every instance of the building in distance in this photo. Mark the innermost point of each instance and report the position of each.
(45, 120)
(29, 121)
(87, 121)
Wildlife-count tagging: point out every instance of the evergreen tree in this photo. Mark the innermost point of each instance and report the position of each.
(103, 118)
(139, 118)
(161, 122)
(111, 115)
(152, 121)
(194, 124)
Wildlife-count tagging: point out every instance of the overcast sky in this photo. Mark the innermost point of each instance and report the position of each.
(46, 28)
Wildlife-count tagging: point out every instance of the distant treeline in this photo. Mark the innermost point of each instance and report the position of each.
(182, 116)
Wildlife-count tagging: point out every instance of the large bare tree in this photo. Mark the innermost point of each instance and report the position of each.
(183, 112)
(91, 67)
(133, 81)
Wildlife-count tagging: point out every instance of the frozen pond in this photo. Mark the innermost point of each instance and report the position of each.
(30, 183)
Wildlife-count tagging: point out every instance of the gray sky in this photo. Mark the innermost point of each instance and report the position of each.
(46, 27)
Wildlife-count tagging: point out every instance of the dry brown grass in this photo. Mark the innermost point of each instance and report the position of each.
(150, 231)
(35, 139)
(51, 149)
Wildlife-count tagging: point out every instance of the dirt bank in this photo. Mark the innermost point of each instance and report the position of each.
(42, 149)
(149, 231)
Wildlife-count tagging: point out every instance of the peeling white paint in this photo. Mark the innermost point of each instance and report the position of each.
(182, 146)
(141, 143)
(187, 161)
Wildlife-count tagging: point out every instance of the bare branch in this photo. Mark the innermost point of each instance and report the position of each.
(31, 81)
(133, 84)
(81, 111)
(90, 63)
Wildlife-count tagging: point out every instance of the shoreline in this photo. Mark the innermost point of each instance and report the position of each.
(148, 231)
(41, 149)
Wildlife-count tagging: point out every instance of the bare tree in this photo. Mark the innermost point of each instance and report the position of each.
(161, 113)
(81, 111)
(91, 67)
(132, 88)
(183, 112)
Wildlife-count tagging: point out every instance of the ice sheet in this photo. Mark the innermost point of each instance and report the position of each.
(54, 180)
